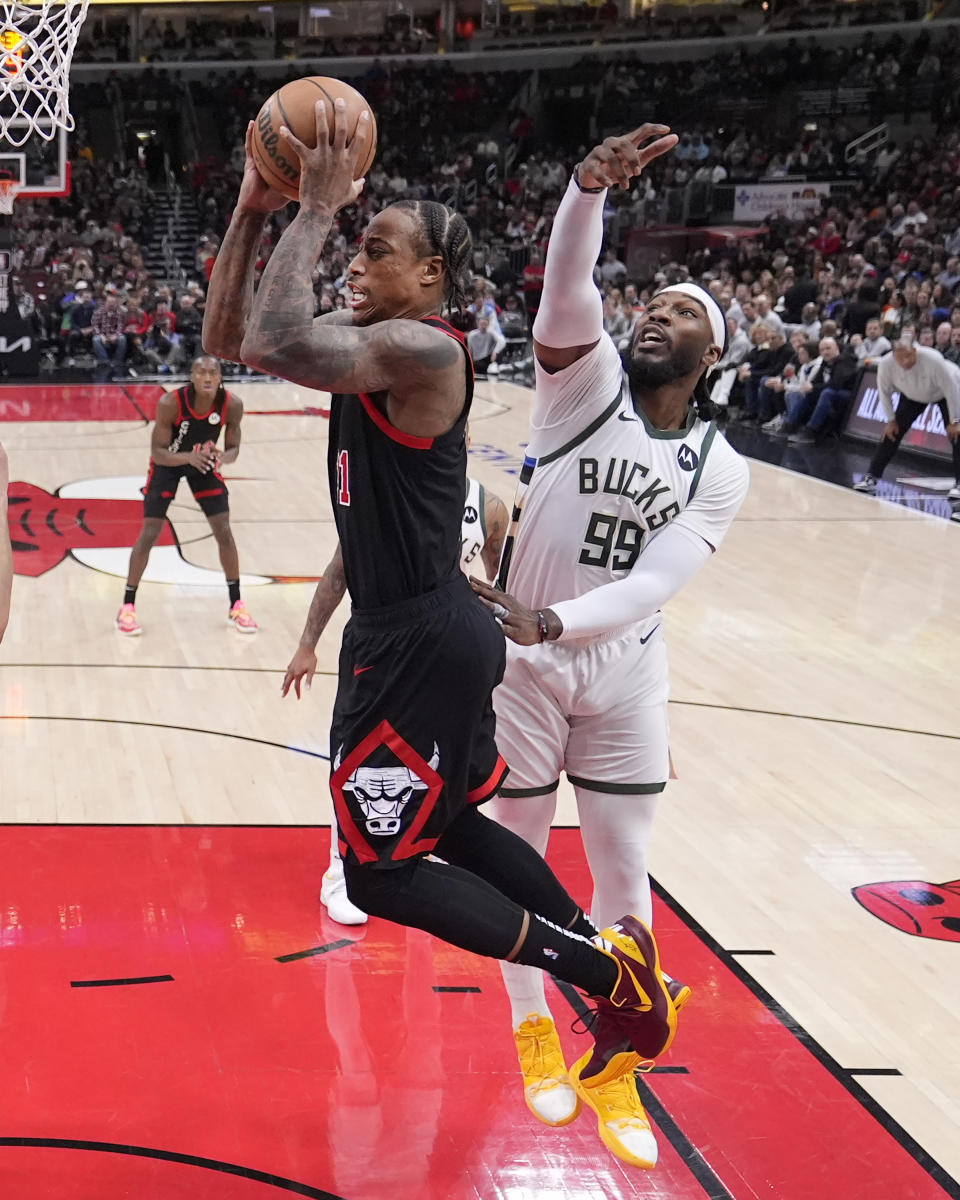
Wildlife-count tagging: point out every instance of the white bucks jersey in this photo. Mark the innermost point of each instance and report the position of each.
(599, 481)
(472, 532)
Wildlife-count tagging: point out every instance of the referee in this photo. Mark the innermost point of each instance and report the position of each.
(922, 377)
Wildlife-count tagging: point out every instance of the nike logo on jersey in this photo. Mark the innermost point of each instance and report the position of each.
(360, 670)
(627, 417)
(643, 641)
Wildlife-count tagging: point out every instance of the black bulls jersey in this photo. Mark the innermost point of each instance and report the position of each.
(191, 429)
(397, 499)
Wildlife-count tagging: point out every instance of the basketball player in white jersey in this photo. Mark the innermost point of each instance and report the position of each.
(626, 492)
(482, 532)
(6, 547)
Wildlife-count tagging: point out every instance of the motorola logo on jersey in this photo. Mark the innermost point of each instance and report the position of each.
(687, 457)
(470, 514)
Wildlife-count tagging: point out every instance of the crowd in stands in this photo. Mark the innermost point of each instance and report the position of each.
(809, 301)
(160, 38)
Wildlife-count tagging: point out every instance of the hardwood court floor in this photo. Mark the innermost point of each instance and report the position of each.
(814, 727)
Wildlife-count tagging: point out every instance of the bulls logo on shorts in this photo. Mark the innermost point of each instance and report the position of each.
(384, 793)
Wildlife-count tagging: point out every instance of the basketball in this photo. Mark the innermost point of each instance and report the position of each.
(294, 105)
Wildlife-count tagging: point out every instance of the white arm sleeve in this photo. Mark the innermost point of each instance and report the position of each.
(571, 309)
(668, 563)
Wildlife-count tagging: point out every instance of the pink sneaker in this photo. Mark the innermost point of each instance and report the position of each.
(127, 622)
(242, 621)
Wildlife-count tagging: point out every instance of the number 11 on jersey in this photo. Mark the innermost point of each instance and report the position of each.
(343, 479)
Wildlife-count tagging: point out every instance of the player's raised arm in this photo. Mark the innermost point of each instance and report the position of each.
(230, 294)
(410, 360)
(569, 322)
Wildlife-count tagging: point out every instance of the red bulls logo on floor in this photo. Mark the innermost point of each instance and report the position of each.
(96, 522)
(927, 910)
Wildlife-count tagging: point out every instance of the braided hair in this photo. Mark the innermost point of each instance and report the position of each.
(445, 232)
(706, 409)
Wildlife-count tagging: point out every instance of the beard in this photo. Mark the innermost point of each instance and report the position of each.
(647, 373)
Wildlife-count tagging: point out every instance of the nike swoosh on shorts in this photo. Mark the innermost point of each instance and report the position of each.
(643, 641)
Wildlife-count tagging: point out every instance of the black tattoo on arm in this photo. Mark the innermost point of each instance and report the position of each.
(284, 304)
(330, 591)
(230, 294)
(401, 357)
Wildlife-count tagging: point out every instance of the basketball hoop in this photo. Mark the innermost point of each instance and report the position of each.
(37, 42)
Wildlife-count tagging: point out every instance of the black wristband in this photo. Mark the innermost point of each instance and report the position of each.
(542, 625)
(576, 180)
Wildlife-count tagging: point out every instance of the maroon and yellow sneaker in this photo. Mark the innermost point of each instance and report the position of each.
(638, 1021)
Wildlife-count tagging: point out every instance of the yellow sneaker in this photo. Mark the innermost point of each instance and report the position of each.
(546, 1086)
(622, 1123)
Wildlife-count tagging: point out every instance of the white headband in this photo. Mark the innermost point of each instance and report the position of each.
(718, 322)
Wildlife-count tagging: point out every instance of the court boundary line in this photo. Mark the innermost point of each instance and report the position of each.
(923, 1158)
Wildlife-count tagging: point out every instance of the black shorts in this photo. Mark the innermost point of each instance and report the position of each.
(413, 736)
(209, 490)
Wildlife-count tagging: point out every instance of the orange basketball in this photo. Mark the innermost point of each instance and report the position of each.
(294, 105)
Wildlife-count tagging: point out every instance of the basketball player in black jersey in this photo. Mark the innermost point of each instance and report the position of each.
(412, 739)
(184, 446)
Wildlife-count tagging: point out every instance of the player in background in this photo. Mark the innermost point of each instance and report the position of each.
(627, 490)
(412, 731)
(6, 546)
(481, 537)
(184, 446)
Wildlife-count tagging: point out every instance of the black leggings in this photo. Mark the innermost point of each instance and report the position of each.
(476, 897)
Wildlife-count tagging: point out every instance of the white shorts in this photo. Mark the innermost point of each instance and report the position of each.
(597, 711)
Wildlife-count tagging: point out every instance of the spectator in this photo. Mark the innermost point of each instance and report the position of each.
(872, 347)
(725, 373)
(188, 325)
(829, 395)
(109, 343)
(794, 384)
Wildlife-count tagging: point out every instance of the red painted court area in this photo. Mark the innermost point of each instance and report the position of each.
(182, 1020)
(80, 402)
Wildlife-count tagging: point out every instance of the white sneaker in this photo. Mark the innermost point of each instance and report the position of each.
(867, 484)
(333, 896)
(775, 424)
(954, 493)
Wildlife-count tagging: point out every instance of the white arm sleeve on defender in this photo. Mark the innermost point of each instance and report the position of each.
(668, 563)
(571, 308)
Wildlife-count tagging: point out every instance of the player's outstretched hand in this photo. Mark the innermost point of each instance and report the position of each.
(327, 172)
(256, 195)
(618, 160)
(519, 624)
(301, 669)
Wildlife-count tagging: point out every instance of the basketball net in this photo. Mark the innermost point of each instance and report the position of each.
(9, 190)
(37, 42)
